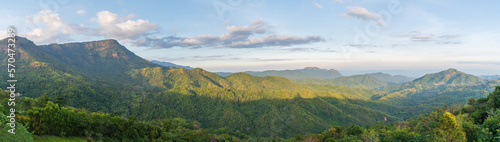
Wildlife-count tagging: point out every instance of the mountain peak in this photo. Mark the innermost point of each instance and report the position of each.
(451, 70)
(448, 77)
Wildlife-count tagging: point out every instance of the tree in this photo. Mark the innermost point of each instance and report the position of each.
(494, 98)
(448, 129)
(471, 101)
(370, 136)
(354, 130)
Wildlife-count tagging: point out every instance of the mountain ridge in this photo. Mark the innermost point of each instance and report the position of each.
(170, 64)
(307, 72)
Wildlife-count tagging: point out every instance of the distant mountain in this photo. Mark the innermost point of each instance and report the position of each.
(169, 64)
(496, 77)
(223, 74)
(366, 81)
(397, 79)
(308, 72)
(446, 87)
(447, 77)
(441, 80)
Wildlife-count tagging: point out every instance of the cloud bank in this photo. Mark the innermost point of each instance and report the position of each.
(234, 37)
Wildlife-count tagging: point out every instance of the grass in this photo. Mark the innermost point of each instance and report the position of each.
(58, 139)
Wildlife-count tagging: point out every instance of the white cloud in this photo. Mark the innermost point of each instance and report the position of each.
(318, 5)
(49, 26)
(275, 40)
(81, 12)
(363, 13)
(340, 1)
(124, 28)
(235, 37)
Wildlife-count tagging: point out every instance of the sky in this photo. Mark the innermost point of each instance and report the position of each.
(255, 35)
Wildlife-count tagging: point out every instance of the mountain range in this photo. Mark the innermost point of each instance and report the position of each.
(169, 64)
(496, 77)
(105, 76)
(308, 72)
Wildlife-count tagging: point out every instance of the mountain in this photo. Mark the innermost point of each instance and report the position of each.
(106, 59)
(308, 72)
(87, 74)
(169, 64)
(450, 78)
(397, 79)
(446, 87)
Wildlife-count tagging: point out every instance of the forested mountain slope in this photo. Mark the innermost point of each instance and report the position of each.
(105, 76)
(435, 89)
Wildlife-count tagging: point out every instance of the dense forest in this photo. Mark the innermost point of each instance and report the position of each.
(100, 91)
(478, 120)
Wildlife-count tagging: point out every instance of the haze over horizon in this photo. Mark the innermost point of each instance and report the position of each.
(232, 36)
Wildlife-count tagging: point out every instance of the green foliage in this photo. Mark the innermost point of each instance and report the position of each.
(21, 134)
(402, 135)
(61, 121)
(49, 138)
(370, 136)
(354, 130)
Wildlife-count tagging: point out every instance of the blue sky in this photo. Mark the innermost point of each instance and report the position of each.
(241, 35)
